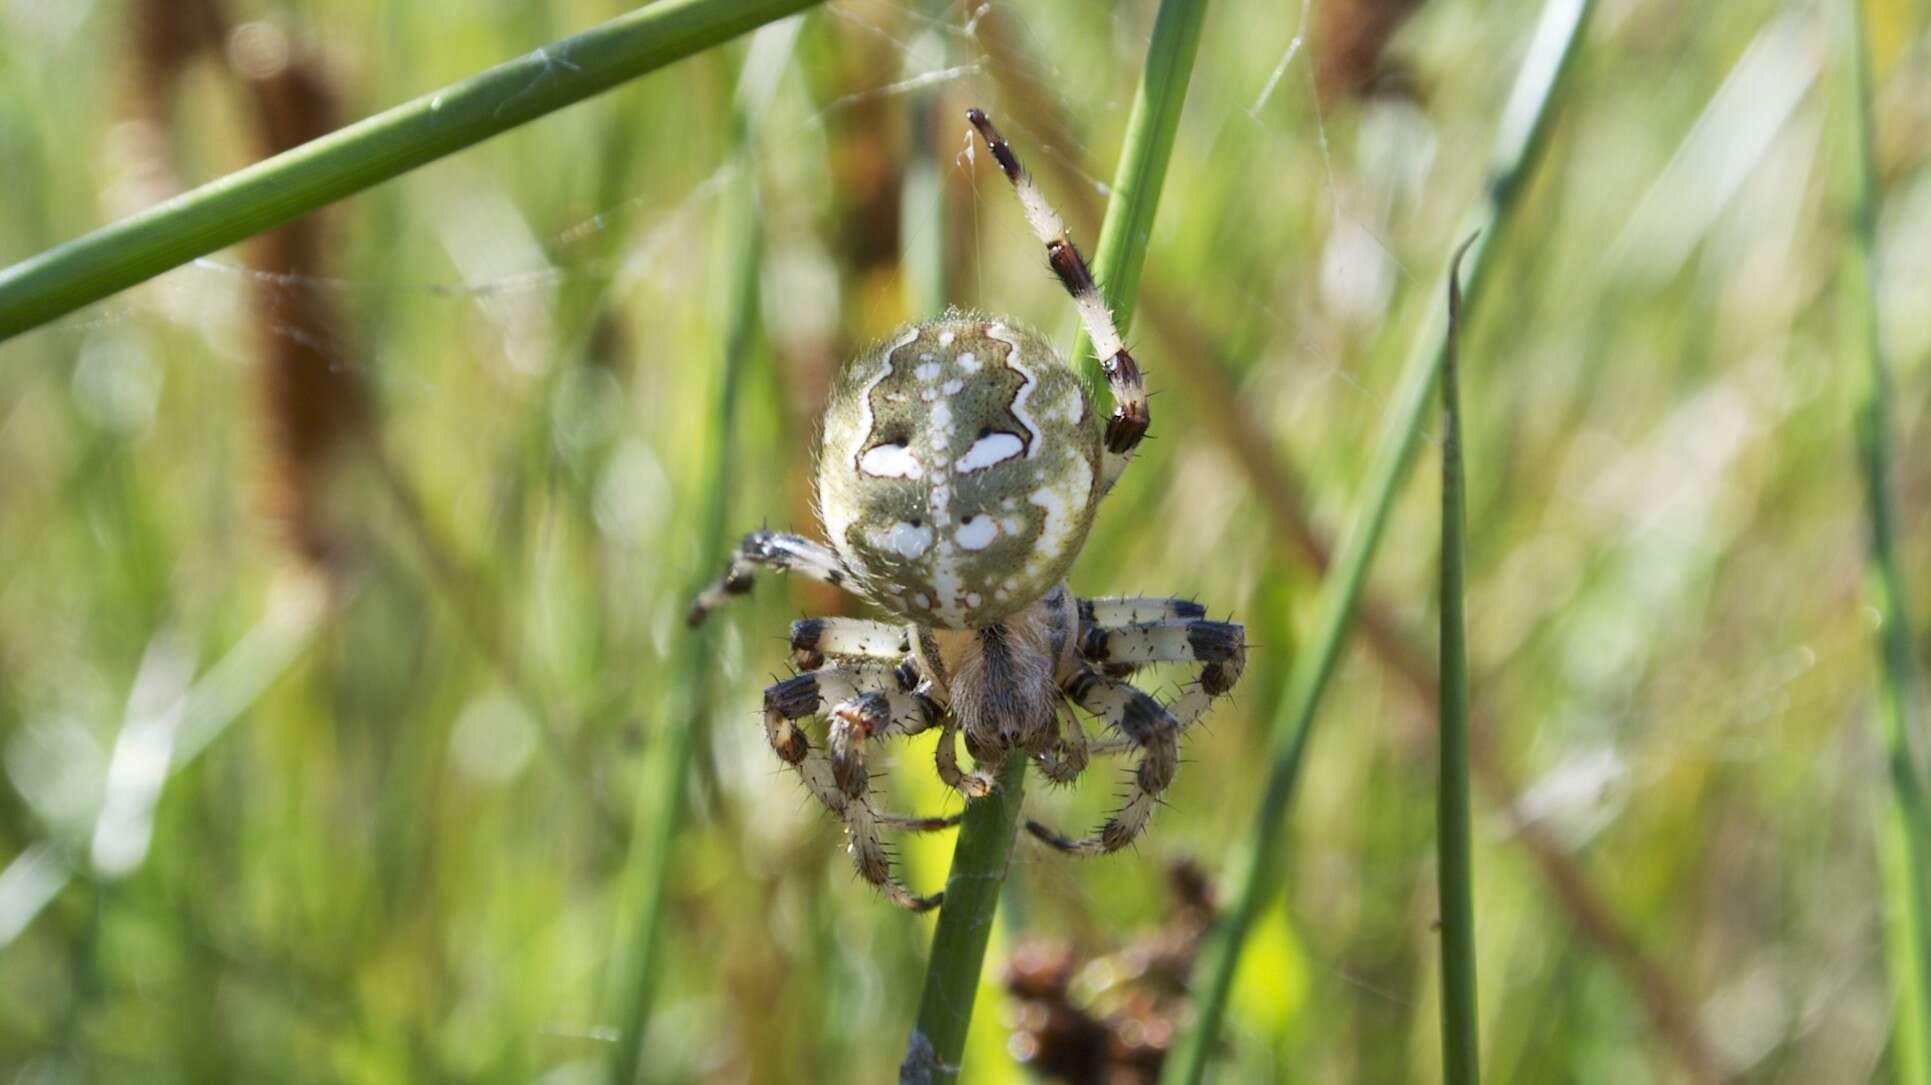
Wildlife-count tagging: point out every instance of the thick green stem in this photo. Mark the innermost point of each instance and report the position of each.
(1904, 823)
(1460, 1064)
(1519, 140)
(986, 836)
(979, 861)
(342, 163)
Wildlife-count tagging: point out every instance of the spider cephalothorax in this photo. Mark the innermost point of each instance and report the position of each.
(959, 468)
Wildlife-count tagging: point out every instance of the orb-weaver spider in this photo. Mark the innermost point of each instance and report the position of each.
(959, 467)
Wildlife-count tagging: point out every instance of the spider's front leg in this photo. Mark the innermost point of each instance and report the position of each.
(867, 701)
(777, 550)
(1128, 633)
(1131, 416)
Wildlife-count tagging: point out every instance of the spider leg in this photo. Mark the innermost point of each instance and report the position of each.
(1149, 725)
(853, 725)
(1065, 757)
(973, 785)
(814, 640)
(1128, 422)
(867, 703)
(774, 550)
(1146, 631)
(1219, 647)
(1127, 609)
(802, 695)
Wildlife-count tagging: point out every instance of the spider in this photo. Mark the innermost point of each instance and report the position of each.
(960, 465)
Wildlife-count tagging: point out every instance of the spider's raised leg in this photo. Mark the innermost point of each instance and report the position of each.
(1149, 726)
(774, 550)
(1128, 422)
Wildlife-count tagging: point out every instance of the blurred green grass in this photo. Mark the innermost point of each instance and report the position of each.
(401, 860)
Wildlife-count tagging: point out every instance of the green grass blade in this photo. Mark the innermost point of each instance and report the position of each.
(661, 796)
(1904, 828)
(1460, 1064)
(271, 192)
(986, 836)
(1519, 139)
(1148, 147)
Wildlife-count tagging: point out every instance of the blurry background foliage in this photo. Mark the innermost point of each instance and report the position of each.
(341, 573)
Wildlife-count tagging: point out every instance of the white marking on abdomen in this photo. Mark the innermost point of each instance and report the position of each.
(978, 532)
(946, 582)
(866, 421)
(1063, 501)
(1004, 335)
(891, 461)
(907, 540)
(989, 451)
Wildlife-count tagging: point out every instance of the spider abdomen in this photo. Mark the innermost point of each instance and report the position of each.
(958, 470)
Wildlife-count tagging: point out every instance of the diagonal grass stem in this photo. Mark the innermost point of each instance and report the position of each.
(379, 148)
(1519, 140)
(661, 797)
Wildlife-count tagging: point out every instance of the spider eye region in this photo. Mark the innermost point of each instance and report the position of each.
(958, 470)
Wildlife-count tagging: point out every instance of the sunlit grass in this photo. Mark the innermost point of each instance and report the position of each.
(409, 826)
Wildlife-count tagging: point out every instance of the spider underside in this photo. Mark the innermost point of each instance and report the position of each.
(959, 468)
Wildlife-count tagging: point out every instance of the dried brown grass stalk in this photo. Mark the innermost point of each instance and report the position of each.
(1350, 45)
(312, 404)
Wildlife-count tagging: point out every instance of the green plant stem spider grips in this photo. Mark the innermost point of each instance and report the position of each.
(959, 469)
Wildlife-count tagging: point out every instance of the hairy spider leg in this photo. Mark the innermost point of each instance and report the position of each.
(1126, 609)
(814, 640)
(777, 550)
(1150, 727)
(1130, 417)
(1220, 648)
(973, 785)
(866, 704)
(1067, 756)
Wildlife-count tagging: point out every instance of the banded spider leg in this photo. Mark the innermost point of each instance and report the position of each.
(1123, 634)
(778, 550)
(1131, 416)
(861, 678)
